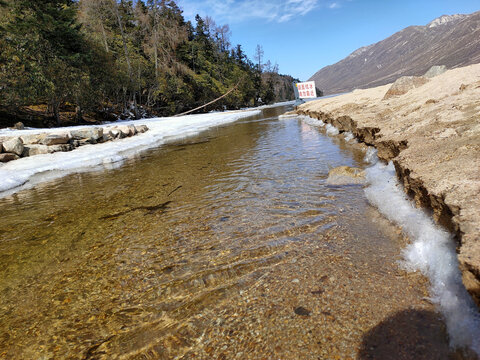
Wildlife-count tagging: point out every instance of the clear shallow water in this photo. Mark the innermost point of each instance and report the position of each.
(226, 245)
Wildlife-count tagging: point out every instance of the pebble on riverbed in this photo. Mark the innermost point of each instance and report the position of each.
(302, 311)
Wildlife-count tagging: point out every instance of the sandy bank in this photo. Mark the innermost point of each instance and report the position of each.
(432, 135)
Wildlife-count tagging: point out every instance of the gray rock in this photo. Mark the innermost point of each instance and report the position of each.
(117, 134)
(59, 148)
(133, 130)
(92, 133)
(33, 138)
(56, 139)
(1, 147)
(107, 136)
(141, 128)
(34, 149)
(14, 146)
(404, 85)
(19, 126)
(6, 157)
(77, 143)
(435, 71)
(126, 130)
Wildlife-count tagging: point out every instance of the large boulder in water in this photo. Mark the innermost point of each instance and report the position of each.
(346, 175)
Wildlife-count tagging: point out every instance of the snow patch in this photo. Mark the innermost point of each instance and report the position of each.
(311, 121)
(332, 130)
(348, 136)
(371, 155)
(288, 116)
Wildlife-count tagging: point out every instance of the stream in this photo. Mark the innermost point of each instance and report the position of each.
(226, 245)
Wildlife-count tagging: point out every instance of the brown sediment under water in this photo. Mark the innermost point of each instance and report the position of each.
(228, 245)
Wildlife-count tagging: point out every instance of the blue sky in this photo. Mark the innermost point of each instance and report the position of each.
(303, 36)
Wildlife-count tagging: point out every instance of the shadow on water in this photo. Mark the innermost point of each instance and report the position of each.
(149, 209)
(409, 335)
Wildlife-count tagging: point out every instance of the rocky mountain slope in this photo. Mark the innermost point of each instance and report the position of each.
(451, 40)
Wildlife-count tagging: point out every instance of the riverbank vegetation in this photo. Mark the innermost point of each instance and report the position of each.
(69, 62)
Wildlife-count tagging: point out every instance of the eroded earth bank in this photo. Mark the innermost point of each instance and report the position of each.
(430, 128)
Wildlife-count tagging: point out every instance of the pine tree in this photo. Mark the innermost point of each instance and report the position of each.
(48, 53)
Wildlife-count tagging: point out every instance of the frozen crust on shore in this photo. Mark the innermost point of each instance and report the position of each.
(432, 135)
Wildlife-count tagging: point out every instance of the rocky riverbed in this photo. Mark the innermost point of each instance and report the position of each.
(430, 129)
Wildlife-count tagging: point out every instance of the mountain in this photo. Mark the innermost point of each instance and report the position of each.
(451, 40)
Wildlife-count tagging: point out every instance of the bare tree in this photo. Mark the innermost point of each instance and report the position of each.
(116, 13)
(259, 56)
(223, 37)
(210, 25)
(275, 68)
(267, 67)
(93, 16)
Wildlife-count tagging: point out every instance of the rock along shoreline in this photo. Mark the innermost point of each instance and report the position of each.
(13, 147)
(430, 129)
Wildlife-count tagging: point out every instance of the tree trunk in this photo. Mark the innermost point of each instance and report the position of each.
(155, 38)
(56, 113)
(155, 54)
(104, 37)
(124, 39)
(78, 114)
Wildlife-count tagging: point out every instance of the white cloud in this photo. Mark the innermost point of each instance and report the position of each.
(239, 10)
(334, 5)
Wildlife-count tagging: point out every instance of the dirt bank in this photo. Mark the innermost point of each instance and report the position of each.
(432, 134)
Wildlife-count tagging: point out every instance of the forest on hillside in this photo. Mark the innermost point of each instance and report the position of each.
(68, 62)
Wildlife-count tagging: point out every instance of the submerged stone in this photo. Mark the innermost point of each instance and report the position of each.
(302, 311)
(345, 175)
